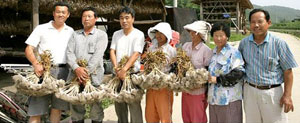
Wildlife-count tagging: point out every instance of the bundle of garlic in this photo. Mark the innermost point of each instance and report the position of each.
(130, 92)
(153, 77)
(179, 66)
(111, 89)
(70, 93)
(157, 59)
(91, 94)
(81, 93)
(157, 79)
(182, 63)
(123, 91)
(33, 85)
(194, 79)
(188, 78)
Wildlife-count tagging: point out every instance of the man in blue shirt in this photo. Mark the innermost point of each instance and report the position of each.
(268, 64)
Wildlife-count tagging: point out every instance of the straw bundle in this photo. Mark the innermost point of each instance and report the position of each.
(33, 85)
(103, 7)
(8, 3)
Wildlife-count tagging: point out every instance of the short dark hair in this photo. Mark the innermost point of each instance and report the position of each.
(220, 26)
(127, 10)
(260, 10)
(90, 9)
(61, 3)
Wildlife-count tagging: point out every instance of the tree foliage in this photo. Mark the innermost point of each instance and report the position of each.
(183, 4)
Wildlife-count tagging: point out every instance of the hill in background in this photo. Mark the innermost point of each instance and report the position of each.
(278, 13)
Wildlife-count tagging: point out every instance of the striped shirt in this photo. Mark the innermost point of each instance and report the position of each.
(266, 62)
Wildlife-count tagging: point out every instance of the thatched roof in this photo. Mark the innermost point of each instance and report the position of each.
(244, 3)
(105, 8)
(12, 11)
(8, 3)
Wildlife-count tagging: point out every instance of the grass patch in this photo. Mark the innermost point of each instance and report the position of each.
(211, 45)
(287, 25)
(105, 104)
(237, 37)
(292, 32)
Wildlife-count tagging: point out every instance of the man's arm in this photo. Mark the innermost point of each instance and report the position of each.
(113, 57)
(131, 60)
(286, 99)
(80, 72)
(38, 68)
(122, 73)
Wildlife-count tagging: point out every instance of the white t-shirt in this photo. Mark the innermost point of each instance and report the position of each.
(46, 37)
(126, 45)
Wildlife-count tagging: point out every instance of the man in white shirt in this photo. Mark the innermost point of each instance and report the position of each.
(52, 36)
(128, 41)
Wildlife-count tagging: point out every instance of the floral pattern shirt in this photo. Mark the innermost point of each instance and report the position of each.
(222, 63)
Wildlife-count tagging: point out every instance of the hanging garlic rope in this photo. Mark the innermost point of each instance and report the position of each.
(123, 91)
(81, 93)
(33, 85)
(153, 77)
(188, 78)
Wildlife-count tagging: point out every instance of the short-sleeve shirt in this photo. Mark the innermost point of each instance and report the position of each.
(266, 62)
(126, 45)
(46, 37)
(222, 63)
(200, 57)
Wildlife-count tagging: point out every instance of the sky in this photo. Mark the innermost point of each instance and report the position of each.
(286, 3)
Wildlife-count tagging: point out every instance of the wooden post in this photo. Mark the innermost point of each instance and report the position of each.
(35, 13)
(164, 14)
(243, 20)
(238, 17)
(174, 3)
(201, 11)
(125, 2)
(164, 17)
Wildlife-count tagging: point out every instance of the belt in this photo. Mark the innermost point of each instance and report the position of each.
(263, 87)
(61, 65)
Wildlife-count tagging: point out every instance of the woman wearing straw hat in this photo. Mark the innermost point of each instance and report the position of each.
(194, 103)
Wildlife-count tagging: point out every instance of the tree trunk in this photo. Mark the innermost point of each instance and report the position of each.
(35, 13)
